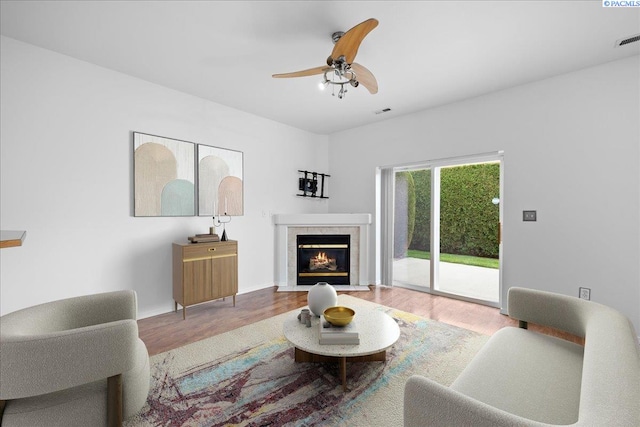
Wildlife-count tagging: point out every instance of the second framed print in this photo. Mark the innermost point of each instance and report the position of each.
(220, 181)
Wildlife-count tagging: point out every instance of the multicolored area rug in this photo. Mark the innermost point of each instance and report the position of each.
(247, 377)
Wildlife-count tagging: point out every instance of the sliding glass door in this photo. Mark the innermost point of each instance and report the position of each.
(443, 227)
(412, 228)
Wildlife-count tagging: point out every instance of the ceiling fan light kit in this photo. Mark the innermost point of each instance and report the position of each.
(340, 70)
(337, 78)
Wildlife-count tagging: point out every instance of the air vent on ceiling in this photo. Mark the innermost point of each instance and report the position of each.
(628, 40)
(384, 110)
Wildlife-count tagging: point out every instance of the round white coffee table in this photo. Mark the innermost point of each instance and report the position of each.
(377, 331)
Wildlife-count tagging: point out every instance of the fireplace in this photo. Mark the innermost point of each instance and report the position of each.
(289, 226)
(323, 258)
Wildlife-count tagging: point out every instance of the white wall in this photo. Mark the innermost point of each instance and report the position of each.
(571, 152)
(571, 149)
(66, 178)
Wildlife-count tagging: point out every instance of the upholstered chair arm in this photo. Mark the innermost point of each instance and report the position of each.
(427, 403)
(48, 362)
(562, 312)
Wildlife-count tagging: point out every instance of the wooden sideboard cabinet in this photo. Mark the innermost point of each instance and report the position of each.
(204, 272)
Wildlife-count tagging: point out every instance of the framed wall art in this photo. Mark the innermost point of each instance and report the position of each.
(164, 176)
(220, 181)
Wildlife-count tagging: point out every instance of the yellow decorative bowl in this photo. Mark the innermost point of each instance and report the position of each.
(339, 316)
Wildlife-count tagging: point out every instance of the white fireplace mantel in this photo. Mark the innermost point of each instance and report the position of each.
(288, 225)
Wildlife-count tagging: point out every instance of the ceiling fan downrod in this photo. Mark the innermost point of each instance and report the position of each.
(336, 36)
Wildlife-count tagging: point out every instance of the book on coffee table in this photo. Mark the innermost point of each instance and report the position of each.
(330, 334)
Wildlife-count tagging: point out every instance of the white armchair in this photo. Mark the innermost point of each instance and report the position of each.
(73, 362)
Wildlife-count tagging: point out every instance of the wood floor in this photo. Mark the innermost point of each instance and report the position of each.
(169, 331)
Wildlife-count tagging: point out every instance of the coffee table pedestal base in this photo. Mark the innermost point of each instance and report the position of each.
(305, 356)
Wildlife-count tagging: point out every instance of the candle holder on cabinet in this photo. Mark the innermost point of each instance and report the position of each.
(222, 220)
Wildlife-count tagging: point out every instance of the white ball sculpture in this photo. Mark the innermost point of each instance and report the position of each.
(320, 297)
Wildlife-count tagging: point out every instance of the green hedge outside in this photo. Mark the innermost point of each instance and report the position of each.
(468, 218)
(404, 215)
(421, 238)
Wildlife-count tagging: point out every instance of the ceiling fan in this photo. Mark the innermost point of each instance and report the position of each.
(340, 69)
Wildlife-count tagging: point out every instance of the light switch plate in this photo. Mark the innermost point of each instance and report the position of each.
(584, 293)
(529, 215)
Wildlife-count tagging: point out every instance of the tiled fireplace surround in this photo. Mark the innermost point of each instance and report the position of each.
(288, 226)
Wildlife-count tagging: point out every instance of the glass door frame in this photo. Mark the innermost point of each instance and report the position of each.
(385, 183)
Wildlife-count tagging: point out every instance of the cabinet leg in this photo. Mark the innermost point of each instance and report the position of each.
(234, 300)
(175, 306)
(184, 312)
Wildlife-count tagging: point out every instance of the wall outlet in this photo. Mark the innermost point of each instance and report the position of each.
(529, 215)
(585, 293)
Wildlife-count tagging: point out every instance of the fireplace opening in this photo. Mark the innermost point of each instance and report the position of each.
(323, 258)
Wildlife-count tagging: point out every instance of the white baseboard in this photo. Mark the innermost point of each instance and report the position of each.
(156, 311)
(300, 288)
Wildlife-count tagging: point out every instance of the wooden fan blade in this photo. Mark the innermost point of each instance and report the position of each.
(303, 73)
(350, 42)
(365, 78)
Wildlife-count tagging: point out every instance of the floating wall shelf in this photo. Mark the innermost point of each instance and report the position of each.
(9, 239)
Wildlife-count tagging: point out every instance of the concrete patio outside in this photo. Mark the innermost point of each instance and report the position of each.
(465, 280)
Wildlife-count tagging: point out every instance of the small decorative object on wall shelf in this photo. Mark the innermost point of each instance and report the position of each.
(309, 185)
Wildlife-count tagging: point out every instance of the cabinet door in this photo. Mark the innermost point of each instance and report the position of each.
(225, 276)
(198, 281)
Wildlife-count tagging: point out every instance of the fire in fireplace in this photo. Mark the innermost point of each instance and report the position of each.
(322, 262)
(323, 258)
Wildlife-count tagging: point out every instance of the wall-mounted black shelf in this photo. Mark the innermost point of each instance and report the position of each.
(310, 183)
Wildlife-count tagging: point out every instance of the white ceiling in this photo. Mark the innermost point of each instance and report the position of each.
(423, 53)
